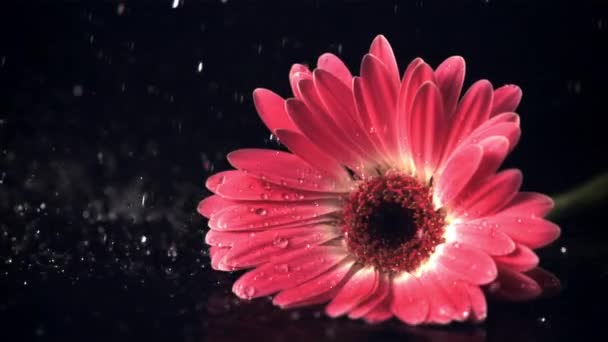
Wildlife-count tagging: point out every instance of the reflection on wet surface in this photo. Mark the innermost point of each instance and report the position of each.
(116, 114)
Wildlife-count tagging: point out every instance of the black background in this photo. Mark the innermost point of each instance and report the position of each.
(108, 131)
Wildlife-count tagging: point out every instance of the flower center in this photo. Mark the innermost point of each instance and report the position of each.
(390, 223)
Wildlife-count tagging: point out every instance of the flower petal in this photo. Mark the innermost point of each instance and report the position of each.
(339, 101)
(410, 302)
(421, 74)
(457, 172)
(285, 169)
(217, 254)
(440, 309)
(378, 296)
(482, 236)
(334, 65)
(532, 232)
(521, 259)
(473, 110)
(450, 77)
(506, 99)
(529, 204)
(310, 153)
(298, 72)
(381, 49)
(380, 101)
(315, 287)
(514, 286)
(426, 129)
(269, 214)
(260, 247)
(380, 312)
(271, 108)
(321, 130)
(356, 290)
(489, 197)
(237, 185)
(212, 204)
(479, 307)
(467, 263)
(302, 265)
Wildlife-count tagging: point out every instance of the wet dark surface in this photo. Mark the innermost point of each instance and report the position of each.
(113, 114)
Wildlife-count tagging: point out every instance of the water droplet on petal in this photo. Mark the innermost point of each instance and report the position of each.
(261, 211)
(283, 268)
(280, 242)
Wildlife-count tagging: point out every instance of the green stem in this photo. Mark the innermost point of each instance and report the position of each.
(585, 195)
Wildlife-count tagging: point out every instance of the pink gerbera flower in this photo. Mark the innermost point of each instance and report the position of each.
(390, 202)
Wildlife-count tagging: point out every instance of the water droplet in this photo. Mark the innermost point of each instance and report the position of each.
(519, 220)
(563, 250)
(280, 242)
(264, 196)
(172, 252)
(286, 196)
(199, 68)
(261, 211)
(144, 239)
(301, 180)
(175, 3)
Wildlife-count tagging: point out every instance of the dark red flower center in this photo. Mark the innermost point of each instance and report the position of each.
(390, 222)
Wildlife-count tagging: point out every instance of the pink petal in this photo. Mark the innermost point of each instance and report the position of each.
(269, 214)
(262, 246)
(421, 74)
(214, 180)
(440, 308)
(403, 107)
(212, 204)
(237, 185)
(509, 130)
(514, 286)
(356, 290)
(521, 259)
(489, 197)
(324, 283)
(322, 130)
(271, 108)
(334, 65)
(506, 99)
(456, 294)
(473, 110)
(532, 232)
(217, 254)
(483, 236)
(310, 153)
(284, 169)
(495, 150)
(529, 204)
(365, 117)
(338, 127)
(223, 239)
(426, 129)
(378, 296)
(381, 49)
(479, 308)
(339, 101)
(410, 302)
(467, 263)
(450, 76)
(298, 72)
(457, 172)
(380, 313)
(380, 101)
(301, 265)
